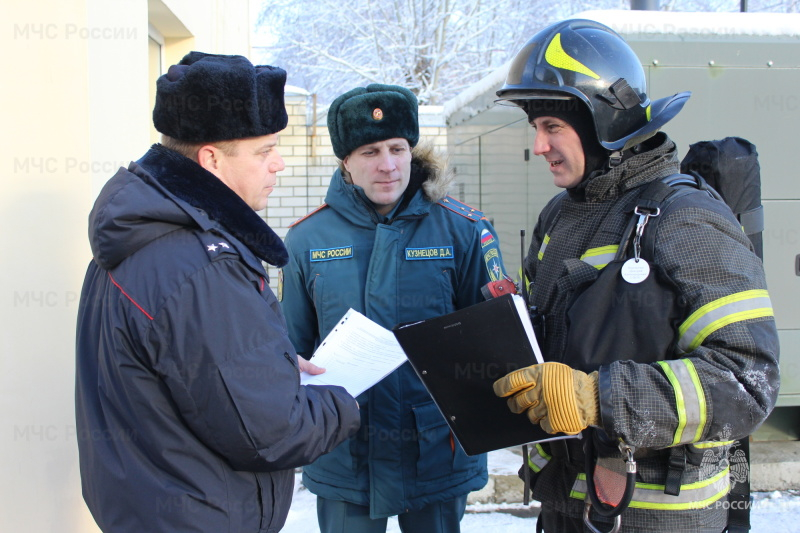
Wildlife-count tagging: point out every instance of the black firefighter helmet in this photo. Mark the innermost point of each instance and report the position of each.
(587, 60)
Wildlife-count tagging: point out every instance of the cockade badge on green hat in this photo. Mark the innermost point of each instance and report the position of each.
(370, 114)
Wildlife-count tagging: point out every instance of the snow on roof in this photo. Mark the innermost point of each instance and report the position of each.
(627, 22)
(293, 89)
(431, 116)
(697, 23)
(480, 87)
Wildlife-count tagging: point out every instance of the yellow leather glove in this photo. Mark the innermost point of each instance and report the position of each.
(555, 396)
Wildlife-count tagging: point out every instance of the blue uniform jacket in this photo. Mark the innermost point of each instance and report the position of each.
(427, 260)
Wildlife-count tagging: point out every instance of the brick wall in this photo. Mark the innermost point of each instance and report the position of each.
(307, 152)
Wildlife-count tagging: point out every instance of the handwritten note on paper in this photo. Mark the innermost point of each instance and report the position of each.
(356, 354)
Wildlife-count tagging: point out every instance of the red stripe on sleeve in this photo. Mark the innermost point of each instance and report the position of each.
(139, 307)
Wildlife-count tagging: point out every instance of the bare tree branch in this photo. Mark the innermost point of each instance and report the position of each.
(433, 47)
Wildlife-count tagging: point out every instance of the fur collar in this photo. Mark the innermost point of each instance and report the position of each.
(436, 176)
(201, 189)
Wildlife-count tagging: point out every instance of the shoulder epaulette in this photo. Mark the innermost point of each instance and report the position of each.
(461, 208)
(216, 244)
(317, 210)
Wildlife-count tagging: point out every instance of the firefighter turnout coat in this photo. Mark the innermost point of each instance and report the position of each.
(716, 386)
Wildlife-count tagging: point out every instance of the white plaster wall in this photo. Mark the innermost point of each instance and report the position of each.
(74, 92)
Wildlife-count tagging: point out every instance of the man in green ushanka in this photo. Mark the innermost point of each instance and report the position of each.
(391, 244)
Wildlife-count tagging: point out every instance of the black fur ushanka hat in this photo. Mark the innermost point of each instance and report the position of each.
(208, 98)
(370, 114)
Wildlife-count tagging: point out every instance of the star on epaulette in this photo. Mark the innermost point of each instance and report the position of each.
(216, 248)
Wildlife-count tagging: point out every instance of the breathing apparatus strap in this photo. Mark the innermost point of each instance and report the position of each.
(676, 465)
(739, 497)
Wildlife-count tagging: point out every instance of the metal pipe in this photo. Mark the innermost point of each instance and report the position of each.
(645, 5)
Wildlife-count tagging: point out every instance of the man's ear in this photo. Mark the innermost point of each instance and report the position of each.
(208, 158)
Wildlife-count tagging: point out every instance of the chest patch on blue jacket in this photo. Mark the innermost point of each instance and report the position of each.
(433, 252)
(330, 254)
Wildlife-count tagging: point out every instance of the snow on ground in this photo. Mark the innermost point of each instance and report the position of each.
(771, 511)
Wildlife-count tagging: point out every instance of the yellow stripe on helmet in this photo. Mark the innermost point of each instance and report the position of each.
(556, 56)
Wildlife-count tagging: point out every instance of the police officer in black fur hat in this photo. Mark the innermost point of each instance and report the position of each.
(190, 415)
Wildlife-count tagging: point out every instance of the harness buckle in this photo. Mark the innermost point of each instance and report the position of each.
(676, 465)
(644, 216)
(588, 521)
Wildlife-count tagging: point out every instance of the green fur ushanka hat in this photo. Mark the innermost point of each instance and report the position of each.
(370, 114)
(208, 98)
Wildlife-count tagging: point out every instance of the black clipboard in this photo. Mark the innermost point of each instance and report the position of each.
(459, 356)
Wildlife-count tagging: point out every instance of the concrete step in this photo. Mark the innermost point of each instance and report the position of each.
(504, 485)
(774, 466)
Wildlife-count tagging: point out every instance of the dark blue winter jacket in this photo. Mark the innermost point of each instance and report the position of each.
(429, 259)
(190, 416)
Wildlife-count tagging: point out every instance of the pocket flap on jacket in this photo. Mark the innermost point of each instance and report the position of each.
(428, 416)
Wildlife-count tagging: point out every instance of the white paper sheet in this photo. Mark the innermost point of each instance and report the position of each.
(525, 318)
(356, 354)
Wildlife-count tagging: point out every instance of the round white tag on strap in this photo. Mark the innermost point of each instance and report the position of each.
(635, 270)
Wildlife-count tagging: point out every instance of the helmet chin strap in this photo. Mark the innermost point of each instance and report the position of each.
(618, 156)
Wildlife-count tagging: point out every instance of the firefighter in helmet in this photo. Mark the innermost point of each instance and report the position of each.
(667, 383)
